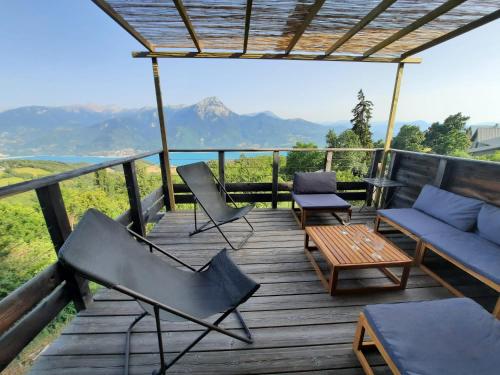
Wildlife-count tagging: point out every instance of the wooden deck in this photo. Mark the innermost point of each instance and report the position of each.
(298, 327)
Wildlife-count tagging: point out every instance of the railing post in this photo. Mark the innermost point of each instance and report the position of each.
(134, 198)
(440, 178)
(276, 169)
(328, 161)
(222, 172)
(393, 167)
(164, 180)
(57, 221)
(377, 157)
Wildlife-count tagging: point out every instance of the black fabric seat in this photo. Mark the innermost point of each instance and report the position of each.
(106, 252)
(204, 185)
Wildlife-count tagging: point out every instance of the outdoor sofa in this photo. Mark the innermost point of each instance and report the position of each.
(462, 230)
(316, 192)
(454, 336)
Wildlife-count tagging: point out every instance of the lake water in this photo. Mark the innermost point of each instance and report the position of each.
(176, 158)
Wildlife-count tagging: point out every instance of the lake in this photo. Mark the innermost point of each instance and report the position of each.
(176, 158)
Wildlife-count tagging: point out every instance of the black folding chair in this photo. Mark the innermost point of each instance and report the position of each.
(203, 184)
(108, 253)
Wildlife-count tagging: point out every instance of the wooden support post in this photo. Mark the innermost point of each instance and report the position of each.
(57, 221)
(440, 178)
(276, 169)
(392, 116)
(134, 198)
(328, 161)
(163, 132)
(222, 172)
(164, 180)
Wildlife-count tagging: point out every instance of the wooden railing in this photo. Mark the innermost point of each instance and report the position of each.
(28, 309)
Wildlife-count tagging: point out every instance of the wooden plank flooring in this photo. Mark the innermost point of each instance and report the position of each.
(298, 328)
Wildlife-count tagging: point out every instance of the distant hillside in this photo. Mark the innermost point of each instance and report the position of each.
(209, 123)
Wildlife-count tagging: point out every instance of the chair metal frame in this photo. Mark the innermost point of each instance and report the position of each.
(157, 306)
(204, 228)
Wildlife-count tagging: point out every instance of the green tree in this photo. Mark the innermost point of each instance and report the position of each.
(362, 115)
(449, 137)
(303, 161)
(410, 138)
(351, 161)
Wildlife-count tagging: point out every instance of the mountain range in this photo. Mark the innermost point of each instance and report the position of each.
(80, 130)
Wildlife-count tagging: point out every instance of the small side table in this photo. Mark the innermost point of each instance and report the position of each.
(378, 185)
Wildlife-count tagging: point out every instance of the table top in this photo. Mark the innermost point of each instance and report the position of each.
(336, 243)
(382, 182)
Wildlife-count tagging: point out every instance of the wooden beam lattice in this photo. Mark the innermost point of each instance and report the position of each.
(313, 10)
(380, 8)
(452, 34)
(187, 22)
(444, 8)
(248, 16)
(124, 24)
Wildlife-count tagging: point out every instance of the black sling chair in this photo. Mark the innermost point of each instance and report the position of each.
(203, 184)
(104, 251)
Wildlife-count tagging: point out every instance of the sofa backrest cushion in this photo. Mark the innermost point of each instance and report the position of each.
(488, 223)
(456, 210)
(314, 183)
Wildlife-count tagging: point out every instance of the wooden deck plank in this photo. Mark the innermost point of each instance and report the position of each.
(298, 328)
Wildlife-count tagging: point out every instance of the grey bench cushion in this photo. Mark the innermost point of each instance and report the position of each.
(317, 201)
(471, 250)
(452, 336)
(456, 210)
(488, 223)
(416, 221)
(314, 183)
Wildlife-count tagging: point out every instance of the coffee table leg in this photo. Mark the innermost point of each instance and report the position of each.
(404, 276)
(306, 241)
(334, 276)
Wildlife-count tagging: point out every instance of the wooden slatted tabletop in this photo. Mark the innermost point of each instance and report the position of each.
(338, 247)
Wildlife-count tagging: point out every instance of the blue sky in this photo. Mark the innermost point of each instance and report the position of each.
(69, 52)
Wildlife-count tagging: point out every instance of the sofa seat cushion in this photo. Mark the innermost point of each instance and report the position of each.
(416, 221)
(488, 223)
(451, 336)
(469, 249)
(456, 210)
(314, 183)
(318, 201)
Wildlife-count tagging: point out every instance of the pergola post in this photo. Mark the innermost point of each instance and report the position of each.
(390, 125)
(163, 132)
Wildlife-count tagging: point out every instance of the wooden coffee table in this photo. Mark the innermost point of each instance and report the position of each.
(335, 243)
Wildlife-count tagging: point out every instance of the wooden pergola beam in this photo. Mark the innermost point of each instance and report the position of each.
(380, 8)
(248, 17)
(444, 8)
(187, 22)
(106, 8)
(313, 10)
(392, 117)
(452, 34)
(274, 56)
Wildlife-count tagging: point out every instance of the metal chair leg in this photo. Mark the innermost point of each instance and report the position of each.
(243, 325)
(127, 341)
(162, 368)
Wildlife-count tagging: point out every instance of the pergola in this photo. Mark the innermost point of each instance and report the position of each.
(387, 31)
